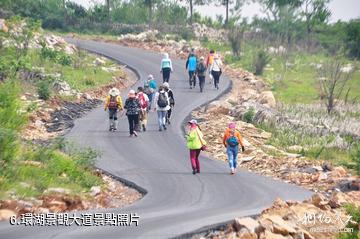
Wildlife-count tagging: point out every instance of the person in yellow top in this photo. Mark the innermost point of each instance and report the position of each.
(231, 140)
(195, 144)
(113, 103)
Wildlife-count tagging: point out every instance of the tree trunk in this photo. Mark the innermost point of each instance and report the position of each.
(227, 12)
(191, 12)
(150, 14)
(108, 9)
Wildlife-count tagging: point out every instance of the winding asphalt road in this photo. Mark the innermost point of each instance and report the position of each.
(176, 202)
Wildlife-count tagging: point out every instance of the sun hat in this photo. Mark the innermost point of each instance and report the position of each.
(193, 121)
(150, 77)
(131, 94)
(202, 58)
(166, 85)
(114, 92)
(232, 125)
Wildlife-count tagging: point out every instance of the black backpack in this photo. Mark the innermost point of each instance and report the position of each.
(162, 100)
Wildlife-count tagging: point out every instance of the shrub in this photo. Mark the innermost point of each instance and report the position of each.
(235, 36)
(64, 59)
(355, 156)
(248, 117)
(260, 61)
(354, 212)
(43, 90)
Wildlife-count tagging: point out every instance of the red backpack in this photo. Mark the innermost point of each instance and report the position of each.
(143, 102)
(113, 104)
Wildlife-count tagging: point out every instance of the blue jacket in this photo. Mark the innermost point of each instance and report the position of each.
(191, 63)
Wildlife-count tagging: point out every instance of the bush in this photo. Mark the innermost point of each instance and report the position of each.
(352, 39)
(354, 212)
(235, 36)
(43, 90)
(355, 156)
(260, 61)
(248, 117)
(64, 59)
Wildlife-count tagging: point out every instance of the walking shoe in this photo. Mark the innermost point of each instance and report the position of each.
(160, 129)
(198, 171)
(135, 134)
(194, 172)
(144, 128)
(164, 127)
(232, 171)
(190, 87)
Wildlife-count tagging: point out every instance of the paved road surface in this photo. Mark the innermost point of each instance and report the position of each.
(177, 201)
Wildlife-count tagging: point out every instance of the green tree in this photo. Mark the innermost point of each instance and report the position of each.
(352, 39)
(315, 13)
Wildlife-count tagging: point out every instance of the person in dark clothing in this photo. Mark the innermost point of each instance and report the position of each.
(191, 67)
(171, 99)
(132, 106)
(201, 73)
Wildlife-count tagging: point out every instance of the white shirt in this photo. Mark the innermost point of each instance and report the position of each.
(216, 65)
(156, 101)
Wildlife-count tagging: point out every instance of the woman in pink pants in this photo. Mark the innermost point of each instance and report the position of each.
(195, 144)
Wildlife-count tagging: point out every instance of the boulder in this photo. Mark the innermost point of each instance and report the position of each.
(57, 206)
(219, 107)
(339, 172)
(99, 62)
(6, 214)
(57, 190)
(248, 223)
(270, 235)
(95, 190)
(280, 225)
(319, 201)
(246, 234)
(338, 199)
(3, 26)
(267, 98)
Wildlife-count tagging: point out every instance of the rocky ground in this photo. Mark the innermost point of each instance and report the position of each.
(112, 194)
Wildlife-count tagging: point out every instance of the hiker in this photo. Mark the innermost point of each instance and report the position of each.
(132, 106)
(144, 104)
(201, 73)
(150, 88)
(191, 67)
(231, 141)
(162, 105)
(209, 62)
(195, 144)
(171, 101)
(113, 103)
(216, 70)
(166, 67)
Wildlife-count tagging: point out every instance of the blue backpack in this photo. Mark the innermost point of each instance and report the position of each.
(232, 141)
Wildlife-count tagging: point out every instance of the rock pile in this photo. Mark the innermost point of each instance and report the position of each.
(201, 31)
(112, 195)
(311, 219)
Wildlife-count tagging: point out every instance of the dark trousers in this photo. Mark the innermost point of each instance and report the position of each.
(216, 75)
(201, 82)
(194, 158)
(192, 78)
(133, 121)
(113, 114)
(168, 115)
(166, 74)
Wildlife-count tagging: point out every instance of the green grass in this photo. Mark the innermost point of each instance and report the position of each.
(296, 84)
(82, 74)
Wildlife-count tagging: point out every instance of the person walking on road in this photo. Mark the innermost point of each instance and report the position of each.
(113, 103)
(166, 67)
(144, 104)
(231, 140)
(216, 70)
(150, 88)
(191, 67)
(171, 101)
(201, 73)
(132, 106)
(195, 144)
(209, 62)
(162, 105)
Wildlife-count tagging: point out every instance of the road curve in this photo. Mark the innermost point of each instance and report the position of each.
(176, 201)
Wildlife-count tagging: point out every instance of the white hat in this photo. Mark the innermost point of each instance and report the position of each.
(193, 121)
(166, 85)
(131, 94)
(114, 92)
(150, 77)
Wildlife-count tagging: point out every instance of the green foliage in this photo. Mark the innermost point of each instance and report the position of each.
(355, 156)
(235, 36)
(56, 56)
(260, 61)
(43, 89)
(248, 117)
(354, 212)
(352, 39)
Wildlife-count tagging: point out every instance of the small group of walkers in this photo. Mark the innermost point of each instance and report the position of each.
(197, 68)
(232, 141)
(161, 99)
(139, 103)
